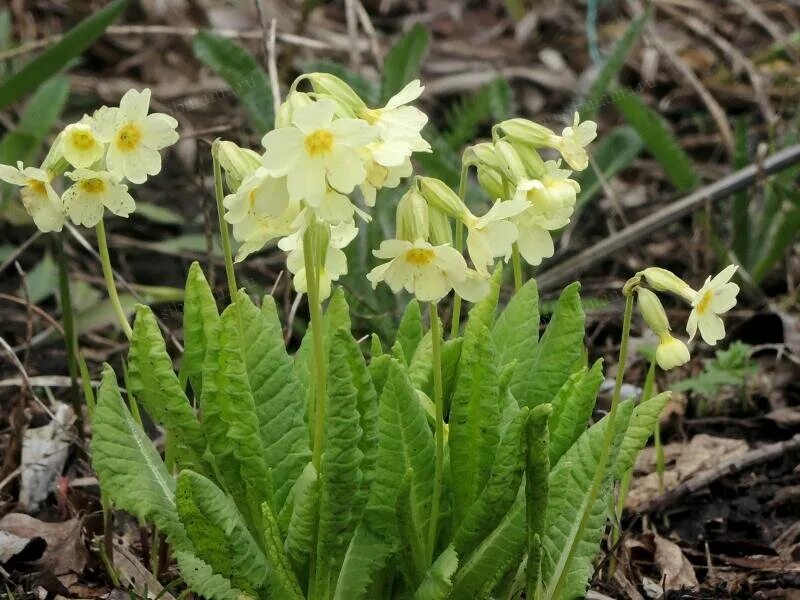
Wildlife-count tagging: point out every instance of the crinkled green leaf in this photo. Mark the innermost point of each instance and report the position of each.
(474, 418)
(497, 497)
(568, 550)
(572, 408)
(278, 396)
(516, 331)
(303, 521)
(643, 421)
(544, 368)
(218, 532)
(200, 578)
(283, 579)
(409, 332)
(438, 580)
(200, 317)
(537, 472)
(230, 420)
(155, 386)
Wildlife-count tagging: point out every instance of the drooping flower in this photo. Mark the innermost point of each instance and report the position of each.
(334, 264)
(81, 147)
(716, 297)
(379, 177)
(493, 234)
(429, 272)
(573, 141)
(38, 196)
(398, 126)
(318, 151)
(259, 193)
(134, 137)
(671, 352)
(93, 191)
(256, 230)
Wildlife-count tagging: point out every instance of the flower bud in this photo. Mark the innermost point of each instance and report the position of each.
(439, 195)
(412, 219)
(663, 280)
(534, 164)
(513, 167)
(293, 101)
(483, 154)
(671, 352)
(440, 230)
(527, 132)
(330, 85)
(491, 181)
(237, 163)
(55, 163)
(652, 311)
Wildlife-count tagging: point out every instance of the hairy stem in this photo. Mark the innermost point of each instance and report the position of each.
(223, 225)
(108, 275)
(455, 321)
(517, 263)
(438, 400)
(605, 453)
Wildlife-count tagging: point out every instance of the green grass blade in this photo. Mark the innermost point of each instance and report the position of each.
(404, 60)
(241, 72)
(55, 58)
(613, 153)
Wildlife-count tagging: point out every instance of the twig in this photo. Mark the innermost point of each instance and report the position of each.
(369, 29)
(25, 378)
(292, 315)
(272, 66)
(42, 313)
(728, 467)
(657, 220)
(352, 31)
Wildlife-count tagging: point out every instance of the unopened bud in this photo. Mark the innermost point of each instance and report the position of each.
(55, 163)
(293, 101)
(527, 132)
(330, 85)
(652, 311)
(513, 167)
(663, 280)
(440, 196)
(492, 182)
(440, 230)
(484, 154)
(412, 219)
(237, 163)
(534, 164)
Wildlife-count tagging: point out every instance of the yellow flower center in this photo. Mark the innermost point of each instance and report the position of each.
(319, 142)
(370, 115)
(705, 302)
(251, 200)
(36, 186)
(82, 140)
(128, 137)
(419, 257)
(93, 186)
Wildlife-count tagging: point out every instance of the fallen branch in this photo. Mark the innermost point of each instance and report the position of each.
(726, 186)
(729, 467)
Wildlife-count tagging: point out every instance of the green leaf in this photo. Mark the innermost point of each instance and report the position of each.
(438, 580)
(643, 421)
(241, 72)
(155, 386)
(483, 312)
(500, 550)
(569, 549)
(782, 233)
(405, 444)
(282, 576)
(497, 497)
(612, 153)
(230, 421)
(340, 471)
(303, 522)
(517, 328)
(660, 141)
(536, 491)
(129, 467)
(55, 58)
(278, 396)
(465, 117)
(38, 118)
(612, 66)
(200, 318)
(544, 368)
(218, 533)
(404, 60)
(572, 408)
(474, 418)
(409, 332)
(200, 578)
(42, 279)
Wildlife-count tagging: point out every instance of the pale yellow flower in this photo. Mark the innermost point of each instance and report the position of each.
(573, 141)
(134, 138)
(716, 297)
(256, 230)
(81, 147)
(493, 234)
(93, 191)
(259, 193)
(671, 352)
(38, 196)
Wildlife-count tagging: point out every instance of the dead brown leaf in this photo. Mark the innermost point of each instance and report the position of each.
(65, 552)
(676, 569)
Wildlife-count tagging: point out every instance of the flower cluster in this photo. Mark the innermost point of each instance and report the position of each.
(97, 154)
(716, 297)
(328, 143)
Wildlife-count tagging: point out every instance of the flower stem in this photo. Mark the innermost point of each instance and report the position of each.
(515, 260)
(436, 339)
(223, 225)
(605, 453)
(455, 321)
(108, 274)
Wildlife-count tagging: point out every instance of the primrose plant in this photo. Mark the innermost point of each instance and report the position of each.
(450, 466)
